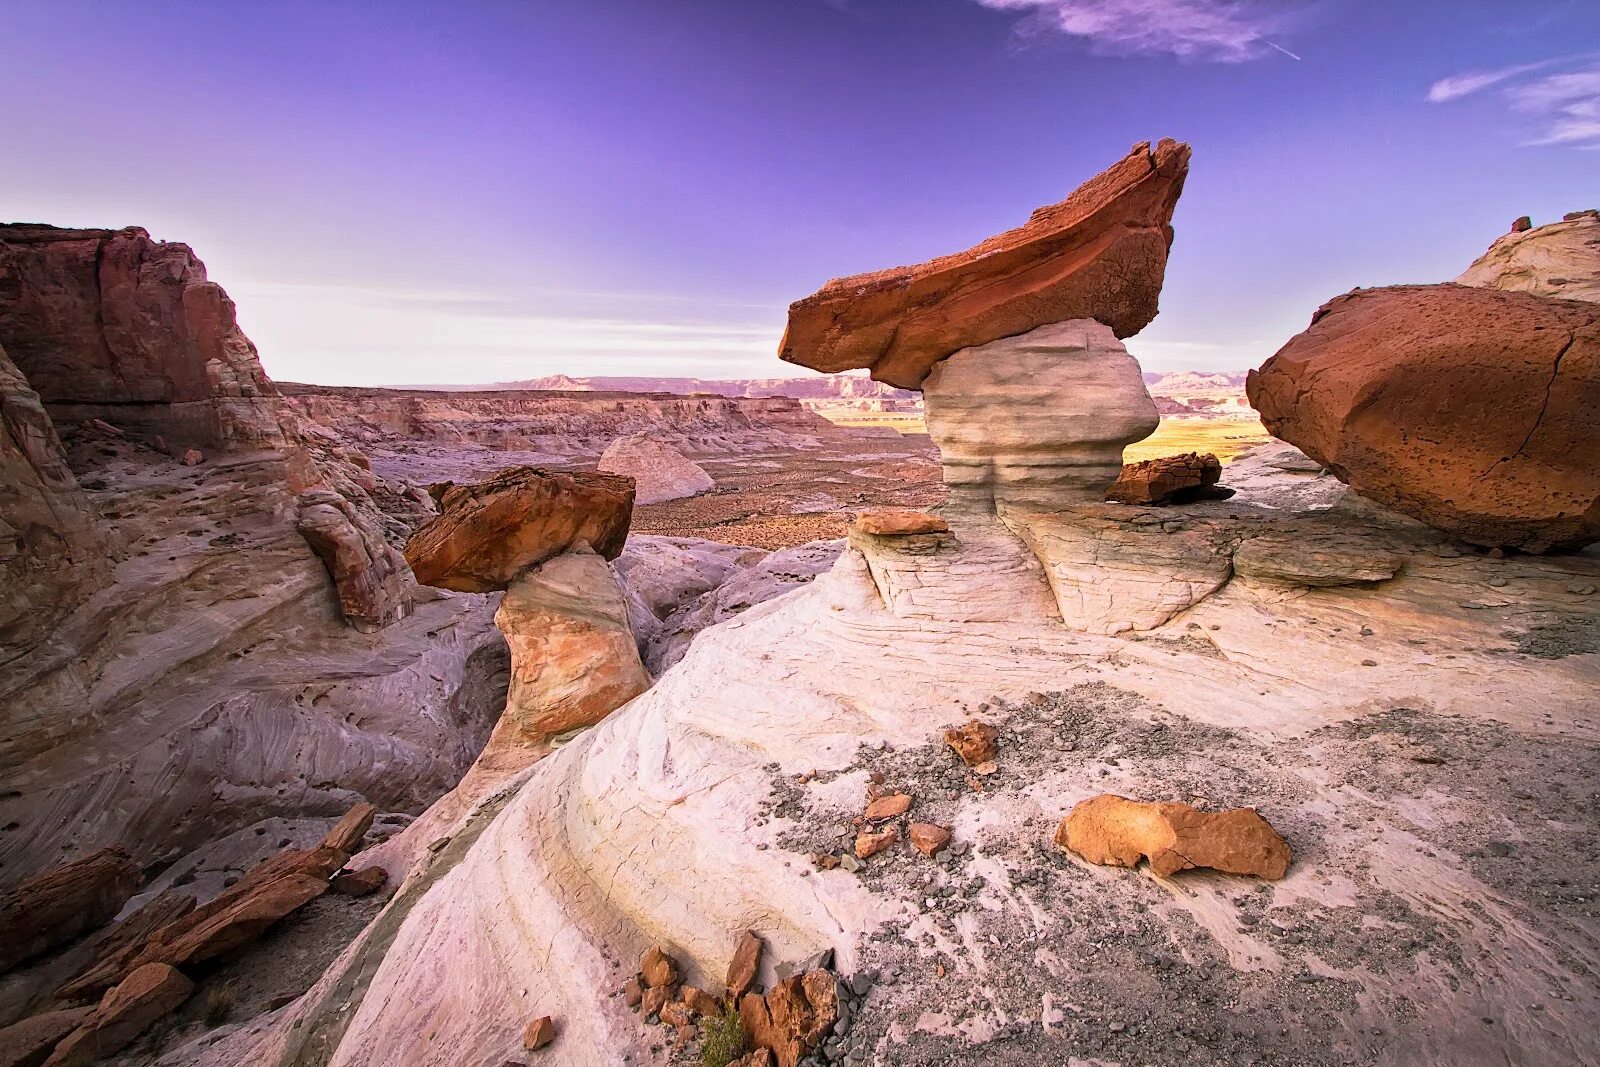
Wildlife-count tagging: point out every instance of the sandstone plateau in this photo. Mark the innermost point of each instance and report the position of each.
(1099, 254)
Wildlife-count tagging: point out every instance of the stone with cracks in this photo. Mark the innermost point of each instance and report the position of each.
(29, 1043)
(368, 574)
(59, 904)
(1176, 479)
(974, 742)
(898, 522)
(745, 964)
(1472, 410)
(659, 969)
(659, 471)
(790, 1020)
(123, 1014)
(1174, 837)
(486, 534)
(1099, 254)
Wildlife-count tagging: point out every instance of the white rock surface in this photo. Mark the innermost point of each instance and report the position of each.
(1561, 259)
(659, 471)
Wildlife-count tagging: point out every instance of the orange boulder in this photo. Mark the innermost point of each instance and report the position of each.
(1174, 837)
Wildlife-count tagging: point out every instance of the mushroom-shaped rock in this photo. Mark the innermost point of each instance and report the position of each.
(1472, 410)
(1099, 254)
(1561, 259)
(1117, 831)
(1039, 420)
(486, 534)
(659, 471)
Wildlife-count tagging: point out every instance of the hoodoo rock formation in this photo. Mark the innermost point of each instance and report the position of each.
(659, 471)
(1099, 254)
(1470, 409)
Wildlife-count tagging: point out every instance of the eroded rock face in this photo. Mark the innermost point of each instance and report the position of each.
(126, 1012)
(486, 534)
(1037, 421)
(1099, 254)
(1174, 837)
(112, 324)
(368, 575)
(659, 471)
(1469, 409)
(1561, 260)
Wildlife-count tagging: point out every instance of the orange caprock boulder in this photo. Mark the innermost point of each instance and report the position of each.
(1476, 411)
(1099, 254)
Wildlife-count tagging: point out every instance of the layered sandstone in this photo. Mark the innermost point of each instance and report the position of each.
(1099, 254)
(368, 574)
(1037, 421)
(659, 471)
(1561, 259)
(59, 904)
(1469, 409)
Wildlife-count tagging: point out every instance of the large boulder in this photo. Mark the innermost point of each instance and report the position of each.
(123, 1014)
(58, 904)
(1561, 259)
(486, 534)
(659, 471)
(1119, 832)
(368, 574)
(1472, 410)
(1099, 254)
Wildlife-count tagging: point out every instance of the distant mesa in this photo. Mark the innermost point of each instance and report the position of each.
(1099, 254)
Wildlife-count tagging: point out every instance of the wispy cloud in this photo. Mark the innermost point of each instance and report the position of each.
(1564, 107)
(1226, 31)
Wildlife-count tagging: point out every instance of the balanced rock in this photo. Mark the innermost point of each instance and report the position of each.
(1179, 479)
(659, 471)
(1039, 420)
(123, 1014)
(1561, 259)
(486, 534)
(58, 904)
(1099, 254)
(1174, 837)
(1472, 410)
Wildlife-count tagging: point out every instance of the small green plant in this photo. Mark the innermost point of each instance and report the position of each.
(721, 1038)
(219, 1004)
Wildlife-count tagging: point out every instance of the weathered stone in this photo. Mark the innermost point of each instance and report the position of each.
(676, 1013)
(745, 964)
(1561, 259)
(655, 998)
(59, 904)
(365, 882)
(29, 1043)
(1469, 409)
(1174, 837)
(124, 1013)
(1179, 479)
(119, 944)
(869, 844)
(1038, 420)
(659, 471)
(193, 457)
(659, 969)
(927, 838)
(699, 1001)
(759, 1058)
(898, 522)
(368, 574)
(633, 991)
(346, 834)
(490, 532)
(1100, 254)
(540, 1032)
(975, 742)
(790, 1020)
(887, 807)
(1307, 557)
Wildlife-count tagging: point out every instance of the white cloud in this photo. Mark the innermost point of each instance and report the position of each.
(1227, 31)
(1564, 108)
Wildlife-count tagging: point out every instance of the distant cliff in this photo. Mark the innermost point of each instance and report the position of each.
(811, 387)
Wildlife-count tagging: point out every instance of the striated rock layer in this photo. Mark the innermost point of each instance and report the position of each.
(1561, 259)
(1472, 410)
(1099, 254)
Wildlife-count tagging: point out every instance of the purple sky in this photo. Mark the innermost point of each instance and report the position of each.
(472, 192)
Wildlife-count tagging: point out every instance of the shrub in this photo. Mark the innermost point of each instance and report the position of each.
(721, 1038)
(219, 1003)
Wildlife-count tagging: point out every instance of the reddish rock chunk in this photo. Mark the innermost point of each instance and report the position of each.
(899, 522)
(676, 1013)
(927, 838)
(123, 1014)
(1174, 837)
(29, 1043)
(759, 1058)
(655, 999)
(1177, 479)
(365, 568)
(1469, 409)
(658, 968)
(633, 992)
(869, 844)
(887, 807)
(791, 1019)
(975, 742)
(1099, 254)
(490, 532)
(360, 883)
(745, 964)
(59, 904)
(347, 834)
(700, 1002)
(539, 1033)
(1522, 225)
